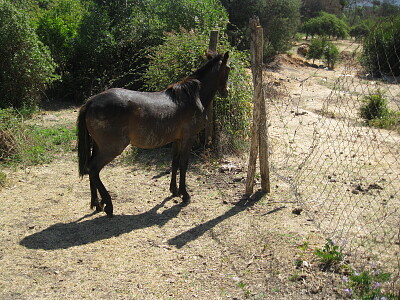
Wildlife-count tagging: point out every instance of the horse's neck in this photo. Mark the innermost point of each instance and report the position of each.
(208, 89)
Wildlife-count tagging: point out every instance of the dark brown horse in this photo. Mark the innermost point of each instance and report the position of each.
(112, 120)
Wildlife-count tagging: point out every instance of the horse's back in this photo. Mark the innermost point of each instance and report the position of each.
(146, 120)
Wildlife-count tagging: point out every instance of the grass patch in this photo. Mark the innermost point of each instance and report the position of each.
(30, 144)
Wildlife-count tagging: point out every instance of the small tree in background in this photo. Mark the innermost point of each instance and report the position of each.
(326, 25)
(26, 67)
(279, 18)
(322, 48)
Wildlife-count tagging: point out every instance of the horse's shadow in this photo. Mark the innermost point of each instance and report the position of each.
(82, 232)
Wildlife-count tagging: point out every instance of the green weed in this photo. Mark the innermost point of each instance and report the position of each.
(330, 256)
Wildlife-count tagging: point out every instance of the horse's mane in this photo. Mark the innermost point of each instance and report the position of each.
(189, 87)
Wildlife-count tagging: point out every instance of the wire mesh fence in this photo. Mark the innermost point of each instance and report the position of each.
(343, 170)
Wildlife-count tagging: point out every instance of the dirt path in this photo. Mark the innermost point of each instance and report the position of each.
(217, 247)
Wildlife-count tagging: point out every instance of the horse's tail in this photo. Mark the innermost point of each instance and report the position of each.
(84, 142)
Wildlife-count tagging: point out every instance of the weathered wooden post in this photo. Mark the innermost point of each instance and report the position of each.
(259, 140)
(209, 130)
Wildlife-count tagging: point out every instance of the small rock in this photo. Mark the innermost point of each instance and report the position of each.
(297, 211)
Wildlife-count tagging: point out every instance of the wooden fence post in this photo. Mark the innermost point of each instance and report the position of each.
(209, 130)
(259, 140)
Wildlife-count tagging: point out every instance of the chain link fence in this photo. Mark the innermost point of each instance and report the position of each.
(344, 173)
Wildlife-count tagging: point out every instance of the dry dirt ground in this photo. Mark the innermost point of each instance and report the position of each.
(220, 246)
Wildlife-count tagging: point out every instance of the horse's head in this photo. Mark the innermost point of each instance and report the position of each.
(223, 73)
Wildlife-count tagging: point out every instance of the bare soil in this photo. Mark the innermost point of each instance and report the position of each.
(220, 246)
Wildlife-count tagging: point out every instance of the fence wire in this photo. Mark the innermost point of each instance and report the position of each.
(344, 173)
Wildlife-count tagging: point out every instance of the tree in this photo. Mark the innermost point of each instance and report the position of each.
(279, 18)
(321, 48)
(326, 25)
(26, 67)
(312, 8)
(58, 27)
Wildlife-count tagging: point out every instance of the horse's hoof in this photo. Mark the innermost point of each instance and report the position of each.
(185, 200)
(109, 211)
(96, 204)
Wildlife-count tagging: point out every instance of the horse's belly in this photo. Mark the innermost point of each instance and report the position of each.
(148, 138)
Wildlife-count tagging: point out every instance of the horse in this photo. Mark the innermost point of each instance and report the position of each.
(108, 122)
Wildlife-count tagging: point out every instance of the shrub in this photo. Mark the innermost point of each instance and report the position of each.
(331, 54)
(361, 29)
(316, 49)
(110, 49)
(26, 67)
(183, 53)
(320, 48)
(279, 18)
(375, 111)
(381, 49)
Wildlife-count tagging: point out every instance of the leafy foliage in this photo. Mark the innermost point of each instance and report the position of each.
(376, 112)
(110, 49)
(326, 25)
(381, 49)
(367, 285)
(361, 29)
(279, 18)
(26, 67)
(57, 28)
(331, 255)
(321, 48)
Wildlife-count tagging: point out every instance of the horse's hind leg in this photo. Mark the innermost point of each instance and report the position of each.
(95, 202)
(96, 164)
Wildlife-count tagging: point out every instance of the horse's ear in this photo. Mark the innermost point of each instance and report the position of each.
(226, 56)
(210, 54)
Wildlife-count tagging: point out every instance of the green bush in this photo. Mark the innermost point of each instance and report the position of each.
(376, 112)
(316, 50)
(381, 49)
(321, 48)
(361, 29)
(112, 41)
(331, 54)
(26, 67)
(183, 53)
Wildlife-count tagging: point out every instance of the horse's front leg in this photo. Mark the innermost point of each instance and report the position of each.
(175, 164)
(183, 165)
